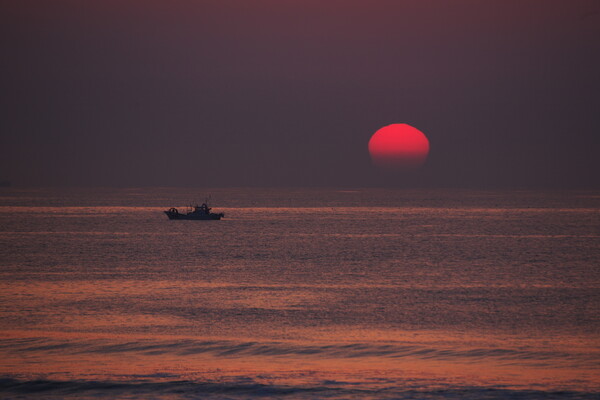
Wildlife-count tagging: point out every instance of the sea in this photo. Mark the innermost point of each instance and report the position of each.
(299, 293)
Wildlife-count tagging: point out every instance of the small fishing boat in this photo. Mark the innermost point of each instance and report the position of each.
(197, 213)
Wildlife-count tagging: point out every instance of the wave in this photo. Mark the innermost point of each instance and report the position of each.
(235, 349)
(183, 389)
(247, 388)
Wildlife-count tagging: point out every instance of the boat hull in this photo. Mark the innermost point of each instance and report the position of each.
(195, 216)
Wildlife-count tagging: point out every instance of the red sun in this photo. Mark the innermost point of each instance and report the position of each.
(398, 147)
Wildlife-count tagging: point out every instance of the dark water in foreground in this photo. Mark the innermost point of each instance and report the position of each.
(300, 294)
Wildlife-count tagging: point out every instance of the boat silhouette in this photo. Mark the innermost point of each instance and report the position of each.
(201, 212)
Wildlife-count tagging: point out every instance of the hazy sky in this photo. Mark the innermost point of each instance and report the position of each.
(288, 92)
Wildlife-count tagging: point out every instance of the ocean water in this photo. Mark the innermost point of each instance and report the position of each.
(300, 294)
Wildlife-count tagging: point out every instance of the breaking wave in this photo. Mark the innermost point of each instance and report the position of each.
(247, 388)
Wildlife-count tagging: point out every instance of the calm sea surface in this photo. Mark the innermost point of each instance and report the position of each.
(300, 293)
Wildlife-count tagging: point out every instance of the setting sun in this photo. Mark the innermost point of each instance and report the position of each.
(398, 147)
